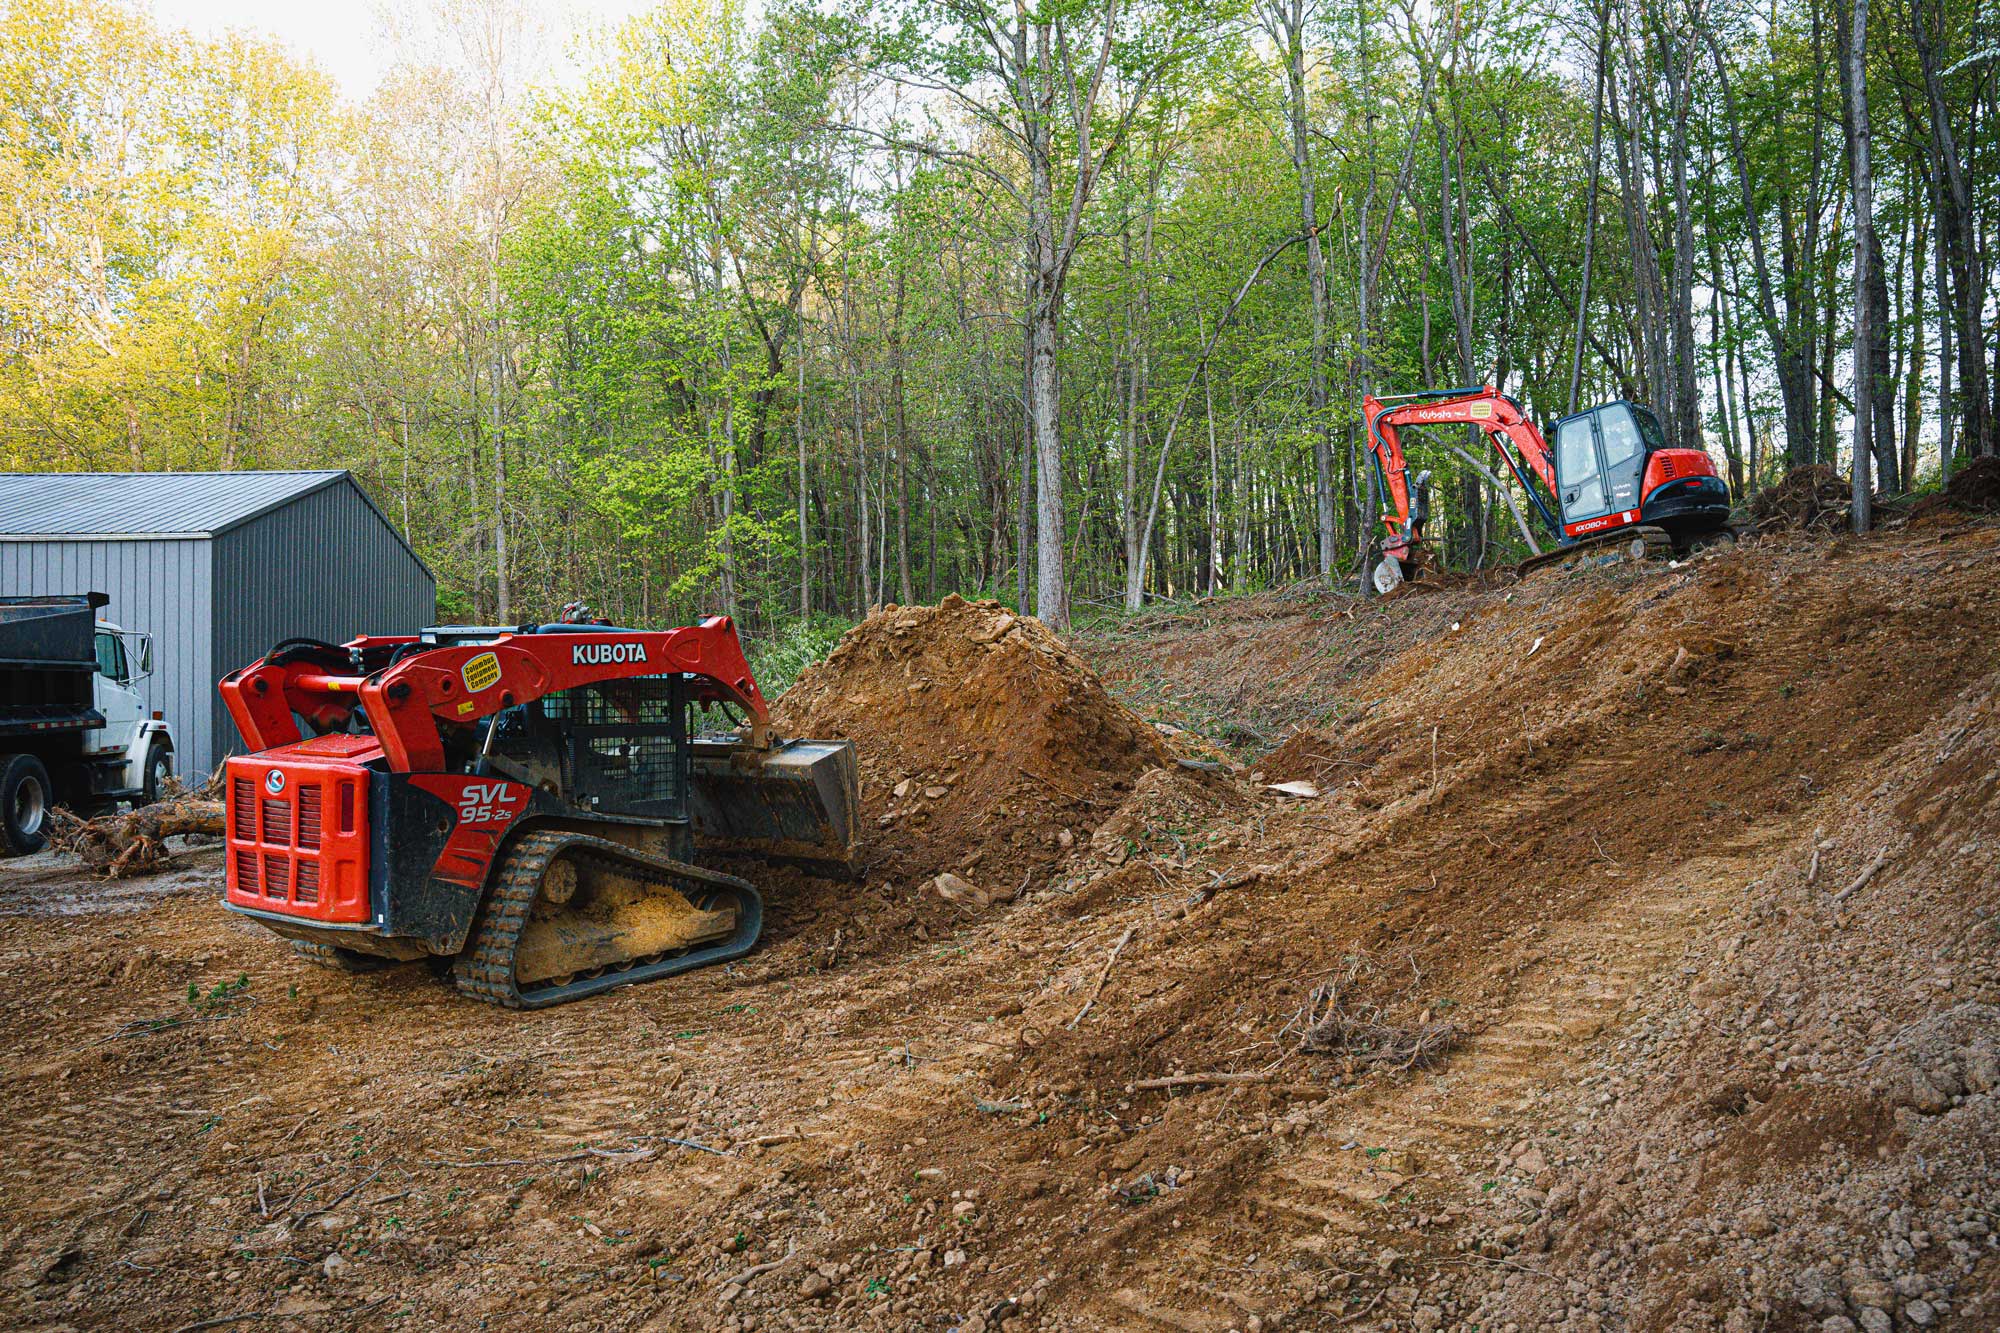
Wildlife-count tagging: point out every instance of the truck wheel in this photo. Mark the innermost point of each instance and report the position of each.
(25, 795)
(159, 767)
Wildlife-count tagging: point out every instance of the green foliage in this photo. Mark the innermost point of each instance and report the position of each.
(734, 322)
(778, 656)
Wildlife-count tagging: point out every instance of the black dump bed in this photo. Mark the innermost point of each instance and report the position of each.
(47, 654)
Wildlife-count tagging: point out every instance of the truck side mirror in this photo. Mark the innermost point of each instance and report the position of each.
(145, 656)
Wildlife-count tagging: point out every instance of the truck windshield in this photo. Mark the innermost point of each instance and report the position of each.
(111, 657)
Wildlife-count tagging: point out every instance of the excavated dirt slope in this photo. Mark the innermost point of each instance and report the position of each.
(1684, 877)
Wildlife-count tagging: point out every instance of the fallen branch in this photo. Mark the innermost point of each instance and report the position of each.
(1201, 1080)
(119, 846)
(1221, 885)
(222, 1321)
(1861, 880)
(1098, 989)
(750, 1274)
(338, 1199)
(631, 1155)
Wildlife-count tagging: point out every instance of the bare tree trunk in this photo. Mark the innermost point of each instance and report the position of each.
(1794, 368)
(1865, 257)
(1946, 440)
(1955, 240)
(1685, 419)
(1590, 215)
(497, 369)
(1285, 20)
(1457, 264)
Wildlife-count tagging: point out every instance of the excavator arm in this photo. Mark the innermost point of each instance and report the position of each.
(1499, 416)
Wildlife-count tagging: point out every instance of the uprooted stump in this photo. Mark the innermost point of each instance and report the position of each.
(121, 846)
(1366, 1041)
(1810, 498)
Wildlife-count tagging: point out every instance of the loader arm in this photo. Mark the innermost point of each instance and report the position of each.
(407, 701)
(1499, 416)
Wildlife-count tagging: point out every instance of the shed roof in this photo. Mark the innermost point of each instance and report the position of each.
(126, 505)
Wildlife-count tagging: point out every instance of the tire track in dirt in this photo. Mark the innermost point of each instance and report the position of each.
(1287, 1221)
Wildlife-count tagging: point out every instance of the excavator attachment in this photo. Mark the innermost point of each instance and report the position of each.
(798, 801)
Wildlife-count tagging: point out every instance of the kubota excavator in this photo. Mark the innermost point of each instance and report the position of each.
(525, 803)
(1611, 477)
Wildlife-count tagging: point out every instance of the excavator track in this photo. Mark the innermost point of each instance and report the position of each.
(1644, 542)
(721, 917)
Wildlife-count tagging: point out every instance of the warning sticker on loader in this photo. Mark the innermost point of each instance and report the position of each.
(481, 673)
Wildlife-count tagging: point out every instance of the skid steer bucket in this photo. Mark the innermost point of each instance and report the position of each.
(798, 801)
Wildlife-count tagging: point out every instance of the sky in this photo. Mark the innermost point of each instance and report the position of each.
(344, 37)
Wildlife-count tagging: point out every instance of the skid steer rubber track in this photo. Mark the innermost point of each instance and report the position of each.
(338, 959)
(489, 968)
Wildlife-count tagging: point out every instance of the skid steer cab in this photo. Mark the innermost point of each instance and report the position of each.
(537, 805)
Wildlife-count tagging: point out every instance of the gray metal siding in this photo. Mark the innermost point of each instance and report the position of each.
(160, 587)
(325, 566)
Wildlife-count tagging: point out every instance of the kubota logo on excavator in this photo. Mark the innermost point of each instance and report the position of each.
(600, 654)
(485, 802)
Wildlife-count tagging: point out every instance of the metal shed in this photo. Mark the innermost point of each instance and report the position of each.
(217, 567)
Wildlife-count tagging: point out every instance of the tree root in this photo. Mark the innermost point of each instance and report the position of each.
(122, 846)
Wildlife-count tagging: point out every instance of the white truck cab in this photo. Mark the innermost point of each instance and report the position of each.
(124, 658)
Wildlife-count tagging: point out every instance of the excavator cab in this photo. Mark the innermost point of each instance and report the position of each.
(1613, 469)
(1601, 459)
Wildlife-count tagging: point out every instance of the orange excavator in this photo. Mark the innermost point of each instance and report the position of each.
(1609, 481)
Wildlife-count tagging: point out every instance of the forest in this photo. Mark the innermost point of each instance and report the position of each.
(791, 310)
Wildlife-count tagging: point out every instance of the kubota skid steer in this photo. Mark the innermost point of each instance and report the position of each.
(523, 802)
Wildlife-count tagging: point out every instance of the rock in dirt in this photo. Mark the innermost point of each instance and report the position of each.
(957, 889)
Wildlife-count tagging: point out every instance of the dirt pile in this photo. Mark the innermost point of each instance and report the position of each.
(1809, 498)
(1975, 486)
(986, 746)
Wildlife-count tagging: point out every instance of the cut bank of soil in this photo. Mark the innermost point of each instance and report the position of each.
(1580, 825)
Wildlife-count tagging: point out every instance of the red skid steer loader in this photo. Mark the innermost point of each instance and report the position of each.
(525, 803)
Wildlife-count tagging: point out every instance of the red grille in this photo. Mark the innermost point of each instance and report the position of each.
(309, 803)
(297, 848)
(1667, 469)
(243, 807)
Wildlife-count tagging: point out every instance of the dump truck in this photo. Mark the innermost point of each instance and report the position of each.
(537, 807)
(74, 730)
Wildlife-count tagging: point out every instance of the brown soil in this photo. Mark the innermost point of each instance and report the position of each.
(1611, 827)
(1976, 485)
(983, 741)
